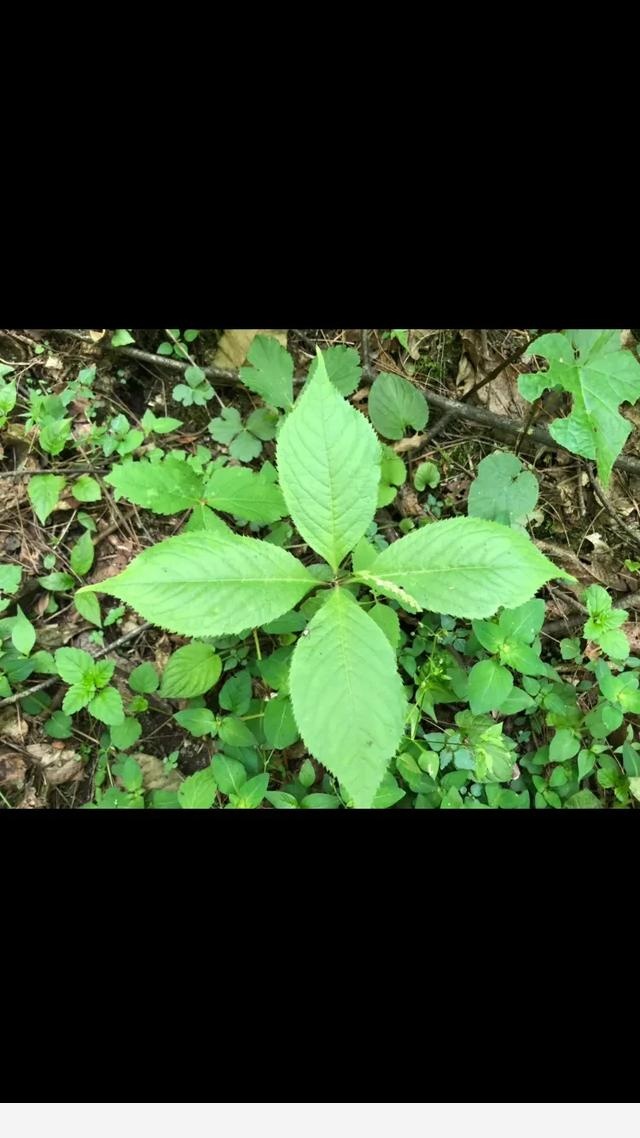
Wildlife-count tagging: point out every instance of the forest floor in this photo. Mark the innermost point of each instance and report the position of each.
(470, 380)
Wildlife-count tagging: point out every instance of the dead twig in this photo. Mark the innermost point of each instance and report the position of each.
(444, 421)
(608, 505)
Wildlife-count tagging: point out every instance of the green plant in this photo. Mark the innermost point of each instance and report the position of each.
(346, 694)
(244, 442)
(599, 375)
(196, 391)
(89, 686)
(503, 491)
(176, 344)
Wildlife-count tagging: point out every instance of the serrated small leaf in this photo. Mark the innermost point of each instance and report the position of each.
(271, 372)
(77, 697)
(144, 678)
(263, 423)
(159, 424)
(73, 664)
(44, 492)
(195, 376)
(10, 576)
(329, 469)
(245, 447)
(86, 489)
(164, 487)
(226, 426)
(190, 671)
(82, 555)
(395, 404)
(125, 734)
(129, 772)
(23, 634)
(58, 726)
(343, 368)
(198, 791)
(107, 707)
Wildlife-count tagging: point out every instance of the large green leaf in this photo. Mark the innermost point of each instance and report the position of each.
(329, 469)
(44, 491)
(600, 378)
(465, 567)
(205, 584)
(343, 368)
(394, 403)
(347, 696)
(164, 487)
(503, 491)
(190, 671)
(271, 373)
(246, 495)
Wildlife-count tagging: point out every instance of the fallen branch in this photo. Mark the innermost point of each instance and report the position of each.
(511, 426)
(228, 377)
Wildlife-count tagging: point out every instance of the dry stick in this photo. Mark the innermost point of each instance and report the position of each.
(449, 415)
(56, 679)
(479, 415)
(608, 505)
(51, 470)
(511, 426)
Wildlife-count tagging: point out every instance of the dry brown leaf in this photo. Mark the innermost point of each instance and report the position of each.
(57, 765)
(11, 726)
(417, 338)
(13, 769)
(235, 343)
(30, 800)
(154, 776)
(479, 358)
(409, 503)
